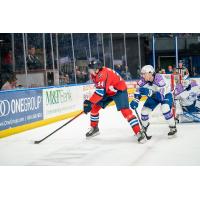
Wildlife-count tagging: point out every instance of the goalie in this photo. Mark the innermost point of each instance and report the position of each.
(187, 96)
(154, 87)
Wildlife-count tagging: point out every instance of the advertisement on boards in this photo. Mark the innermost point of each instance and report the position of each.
(61, 100)
(20, 107)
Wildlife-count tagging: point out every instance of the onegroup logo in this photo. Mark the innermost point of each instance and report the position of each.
(20, 105)
(4, 108)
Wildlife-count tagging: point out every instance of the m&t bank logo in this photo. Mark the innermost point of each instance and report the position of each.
(58, 96)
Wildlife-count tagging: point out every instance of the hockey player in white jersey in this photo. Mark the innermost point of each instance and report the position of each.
(154, 86)
(187, 96)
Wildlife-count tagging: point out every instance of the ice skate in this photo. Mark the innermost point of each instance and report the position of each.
(94, 131)
(141, 137)
(172, 131)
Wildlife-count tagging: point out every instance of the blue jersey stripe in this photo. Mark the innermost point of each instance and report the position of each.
(101, 93)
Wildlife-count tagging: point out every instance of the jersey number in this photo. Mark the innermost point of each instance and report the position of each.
(100, 84)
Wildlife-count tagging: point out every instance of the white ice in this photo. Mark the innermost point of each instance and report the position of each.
(115, 146)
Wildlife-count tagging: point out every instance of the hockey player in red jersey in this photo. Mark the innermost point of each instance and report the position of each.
(109, 87)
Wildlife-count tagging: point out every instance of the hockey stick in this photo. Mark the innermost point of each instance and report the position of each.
(39, 141)
(148, 137)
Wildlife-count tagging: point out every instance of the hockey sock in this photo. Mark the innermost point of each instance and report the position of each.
(94, 115)
(145, 120)
(170, 118)
(145, 115)
(168, 114)
(127, 113)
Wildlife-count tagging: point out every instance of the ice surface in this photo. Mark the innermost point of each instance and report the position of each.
(115, 146)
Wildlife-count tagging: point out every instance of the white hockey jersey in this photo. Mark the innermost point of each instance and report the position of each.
(188, 97)
(188, 104)
(159, 84)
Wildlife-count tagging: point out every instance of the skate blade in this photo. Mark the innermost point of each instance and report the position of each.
(95, 134)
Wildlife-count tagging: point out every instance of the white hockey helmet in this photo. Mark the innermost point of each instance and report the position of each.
(147, 69)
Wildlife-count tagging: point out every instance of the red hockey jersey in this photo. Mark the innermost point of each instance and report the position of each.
(107, 82)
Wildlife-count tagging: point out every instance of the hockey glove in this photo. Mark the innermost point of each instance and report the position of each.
(137, 95)
(87, 106)
(134, 104)
(145, 91)
(158, 96)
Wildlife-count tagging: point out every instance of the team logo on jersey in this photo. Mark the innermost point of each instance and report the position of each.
(100, 75)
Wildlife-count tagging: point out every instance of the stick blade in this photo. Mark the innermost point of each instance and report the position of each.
(36, 142)
(149, 137)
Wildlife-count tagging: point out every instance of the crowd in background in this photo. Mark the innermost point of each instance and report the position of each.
(72, 70)
(9, 79)
(82, 75)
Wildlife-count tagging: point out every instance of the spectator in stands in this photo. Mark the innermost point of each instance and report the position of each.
(126, 75)
(10, 84)
(85, 75)
(32, 60)
(118, 69)
(163, 71)
(138, 72)
(7, 61)
(6, 67)
(175, 70)
(182, 69)
(79, 76)
(169, 70)
(180, 64)
(67, 80)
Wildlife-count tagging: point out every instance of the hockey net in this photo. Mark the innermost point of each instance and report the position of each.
(156, 116)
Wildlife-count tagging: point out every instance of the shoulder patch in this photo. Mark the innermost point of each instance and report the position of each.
(100, 75)
(159, 80)
(141, 82)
